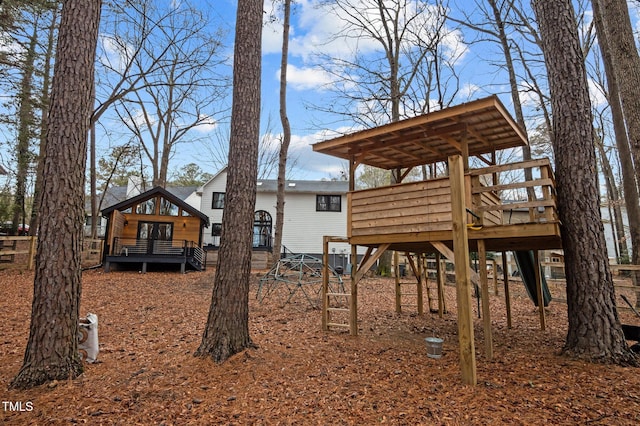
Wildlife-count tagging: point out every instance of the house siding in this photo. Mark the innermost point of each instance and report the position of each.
(304, 227)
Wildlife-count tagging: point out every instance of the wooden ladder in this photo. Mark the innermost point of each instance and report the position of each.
(432, 291)
(336, 309)
(416, 294)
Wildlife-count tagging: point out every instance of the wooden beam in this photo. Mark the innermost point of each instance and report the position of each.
(441, 277)
(353, 302)
(463, 282)
(325, 283)
(449, 254)
(507, 296)
(396, 259)
(484, 288)
(526, 184)
(510, 166)
(365, 265)
(538, 276)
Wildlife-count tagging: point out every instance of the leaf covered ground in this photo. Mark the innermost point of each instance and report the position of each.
(151, 324)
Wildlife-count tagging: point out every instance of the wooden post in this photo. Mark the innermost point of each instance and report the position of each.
(396, 268)
(546, 194)
(420, 278)
(440, 271)
(463, 281)
(325, 283)
(353, 303)
(536, 268)
(32, 252)
(507, 296)
(484, 288)
(442, 280)
(494, 268)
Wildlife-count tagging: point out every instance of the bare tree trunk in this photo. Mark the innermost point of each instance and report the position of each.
(93, 181)
(286, 133)
(613, 195)
(515, 92)
(227, 330)
(34, 223)
(52, 348)
(629, 173)
(594, 330)
(25, 132)
(626, 66)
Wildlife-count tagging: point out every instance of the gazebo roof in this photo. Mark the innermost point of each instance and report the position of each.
(484, 125)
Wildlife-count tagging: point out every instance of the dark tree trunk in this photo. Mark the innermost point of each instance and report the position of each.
(52, 348)
(594, 328)
(227, 330)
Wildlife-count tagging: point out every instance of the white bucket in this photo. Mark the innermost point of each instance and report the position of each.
(88, 338)
(434, 347)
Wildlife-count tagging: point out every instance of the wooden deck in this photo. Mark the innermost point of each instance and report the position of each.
(143, 251)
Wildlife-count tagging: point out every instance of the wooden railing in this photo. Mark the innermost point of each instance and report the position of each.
(542, 208)
(20, 251)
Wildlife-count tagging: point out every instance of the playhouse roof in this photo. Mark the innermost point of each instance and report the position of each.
(484, 124)
(152, 193)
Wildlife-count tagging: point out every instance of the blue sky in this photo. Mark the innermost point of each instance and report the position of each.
(312, 28)
(311, 33)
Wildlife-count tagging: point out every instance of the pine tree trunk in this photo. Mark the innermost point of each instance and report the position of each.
(52, 348)
(227, 330)
(594, 330)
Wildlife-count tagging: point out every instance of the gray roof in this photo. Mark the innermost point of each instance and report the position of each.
(118, 194)
(306, 186)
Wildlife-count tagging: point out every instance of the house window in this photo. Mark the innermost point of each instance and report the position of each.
(262, 229)
(167, 208)
(328, 203)
(147, 207)
(216, 231)
(218, 200)
(155, 231)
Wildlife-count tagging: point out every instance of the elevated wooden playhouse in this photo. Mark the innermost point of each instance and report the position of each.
(449, 215)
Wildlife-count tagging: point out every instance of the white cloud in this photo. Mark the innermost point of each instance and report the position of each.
(115, 53)
(307, 78)
(9, 45)
(598, 98)
(468, 91)
(310, 164)
(208, 124)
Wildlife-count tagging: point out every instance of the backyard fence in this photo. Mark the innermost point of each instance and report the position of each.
(18, 252)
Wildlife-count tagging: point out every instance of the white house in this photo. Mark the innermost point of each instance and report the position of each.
(313, 209)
